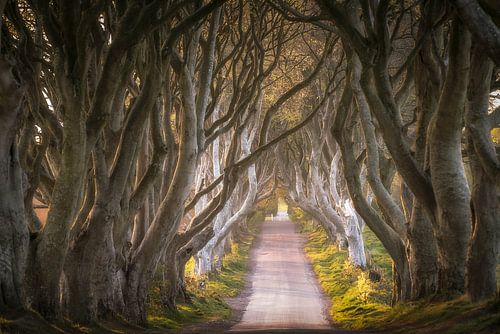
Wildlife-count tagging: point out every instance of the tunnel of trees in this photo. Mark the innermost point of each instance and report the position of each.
(149, 129)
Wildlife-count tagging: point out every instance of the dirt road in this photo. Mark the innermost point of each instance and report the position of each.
(284, 292)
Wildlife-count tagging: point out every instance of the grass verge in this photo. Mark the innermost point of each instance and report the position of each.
(359, 303)
(355, 300)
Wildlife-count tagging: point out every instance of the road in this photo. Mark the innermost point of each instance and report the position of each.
(284, 292)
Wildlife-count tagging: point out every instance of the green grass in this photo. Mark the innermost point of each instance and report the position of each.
(358, 303)
(197, 310)
(379, 256)
(208, 304)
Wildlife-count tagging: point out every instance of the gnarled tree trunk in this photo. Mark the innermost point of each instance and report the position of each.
(166, 222)
(483, 249)
(13, 229)
(453, 215)
(90, 267)
(422, 248)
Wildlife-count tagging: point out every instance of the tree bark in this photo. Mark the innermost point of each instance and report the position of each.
(170, 281)
(449, 182)
(90, 267)
(422, 249)
(392, 212)
(482, 26)
(483, 249)
(14, 236)
(354, 234)
(353, 224)
(48, 251)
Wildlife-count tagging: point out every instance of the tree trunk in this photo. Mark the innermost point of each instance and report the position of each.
(353, 228)
(401, 286)
(93, 248)
(164, 226)
(422, 255)
(483, 249)
(389, 238)
(391, 211)
(225, 223)
(422, 247)
(205, 255)
(48, 251)
(453, 213)
(170, 283)
(203, 261)
(182, 294)
(13, 229)
(218, 255)
(90, 267)
(356, 246)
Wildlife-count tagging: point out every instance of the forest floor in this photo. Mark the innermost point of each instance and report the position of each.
(359, 303)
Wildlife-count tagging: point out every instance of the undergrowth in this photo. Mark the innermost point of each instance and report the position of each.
(359, 303)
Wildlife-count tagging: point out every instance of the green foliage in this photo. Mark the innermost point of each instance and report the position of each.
(297, 214)
(365, 287)
(197, 310)
(495, 136)
(229, 281)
